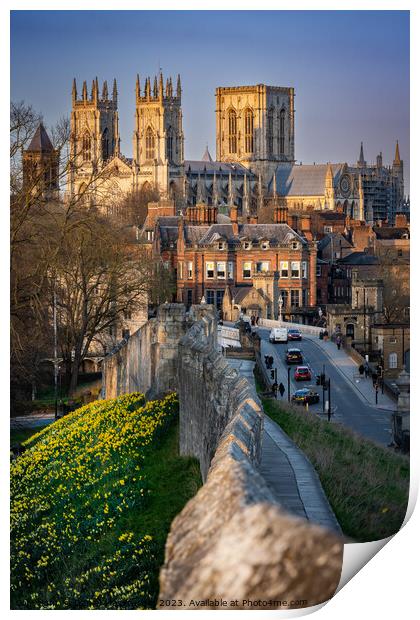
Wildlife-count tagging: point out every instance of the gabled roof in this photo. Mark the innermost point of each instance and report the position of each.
(40, 142)
(206, 156)
(306, 180)
(338, 239)
(359, 258)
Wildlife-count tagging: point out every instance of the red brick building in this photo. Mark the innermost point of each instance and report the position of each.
(211, 253)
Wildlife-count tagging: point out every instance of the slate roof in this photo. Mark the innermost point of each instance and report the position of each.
(40, 142)
(359, 258)
(276, 234)
(306, 180)
(326, 241)
(221, 167)
(390, 232)
(239, 293)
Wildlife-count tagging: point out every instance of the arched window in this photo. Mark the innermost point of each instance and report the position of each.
(150, 144)
(169, 144)
(392, 360)
(270, 131)
(249, 131)
(281, 131)
(233, 125)
(105, 144)
(86, 148)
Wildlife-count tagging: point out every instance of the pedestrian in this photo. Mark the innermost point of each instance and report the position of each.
(366, 369)
(282, 389)
(374, 378)
(253, 320)
(271, 361)
(338, 342)
(257, 320)
(274, 389)
(361, 370)
(266, 361)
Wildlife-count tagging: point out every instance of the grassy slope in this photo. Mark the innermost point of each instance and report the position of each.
(367, 485)
(173, 480)
(168, 480)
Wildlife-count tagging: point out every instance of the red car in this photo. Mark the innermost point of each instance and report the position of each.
(294, 334)
(302, 373)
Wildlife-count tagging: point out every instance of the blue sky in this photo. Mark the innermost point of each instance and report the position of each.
(350, 69)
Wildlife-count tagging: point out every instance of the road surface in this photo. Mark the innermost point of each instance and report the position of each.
(350, 407)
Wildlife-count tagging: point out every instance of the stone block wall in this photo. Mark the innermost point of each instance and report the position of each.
(232, 541)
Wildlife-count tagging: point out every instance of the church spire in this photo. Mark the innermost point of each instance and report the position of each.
(178, 87)
(138, 87)
(397, 160)
(84, 91)
(74, 90)
(361, 163)
(105, 91)
(161, 86)
(114, 92)
(155, 88)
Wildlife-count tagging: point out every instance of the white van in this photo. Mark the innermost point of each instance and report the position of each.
(278, 334)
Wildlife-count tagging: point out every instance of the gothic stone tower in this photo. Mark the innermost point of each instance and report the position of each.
(255, 126)
(40, 167)
(158, 141)
(94, 136)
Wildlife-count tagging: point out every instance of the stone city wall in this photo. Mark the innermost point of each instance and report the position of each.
(232, 541)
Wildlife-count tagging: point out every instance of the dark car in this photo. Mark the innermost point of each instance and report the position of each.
(305, 396)
(294, 356)
(302, 373)
(294, 334)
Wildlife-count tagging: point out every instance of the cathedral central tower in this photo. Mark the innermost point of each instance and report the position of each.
(255, 126)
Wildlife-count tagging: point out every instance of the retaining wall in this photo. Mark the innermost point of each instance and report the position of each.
(305, 329)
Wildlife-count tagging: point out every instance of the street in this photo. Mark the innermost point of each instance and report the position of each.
(349, 406)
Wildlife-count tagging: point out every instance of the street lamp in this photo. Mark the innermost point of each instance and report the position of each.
(280, 308)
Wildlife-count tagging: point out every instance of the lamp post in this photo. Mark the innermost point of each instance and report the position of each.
(288, 384)
(280, 308)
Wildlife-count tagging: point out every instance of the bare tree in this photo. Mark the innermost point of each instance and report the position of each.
(395, 273)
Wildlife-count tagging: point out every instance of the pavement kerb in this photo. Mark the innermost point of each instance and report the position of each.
(347, 379)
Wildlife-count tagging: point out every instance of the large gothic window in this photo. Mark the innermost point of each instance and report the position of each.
(170, 145)
(105, 145)
(233, 131)
(86, 147)
(249, 131)
(270, 132)
(282, 131)
(150, 144)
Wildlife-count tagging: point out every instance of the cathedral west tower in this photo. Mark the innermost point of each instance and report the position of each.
(158, 141)
(94, 134)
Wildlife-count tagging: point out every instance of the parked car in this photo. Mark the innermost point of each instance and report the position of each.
(302, 373)
(294, 356)
(294, 334)
(305, 396)
(278, 334)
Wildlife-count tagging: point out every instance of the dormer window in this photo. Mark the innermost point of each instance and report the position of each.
(265, 245)
(221, 245)
(247, 245)
(295, 245)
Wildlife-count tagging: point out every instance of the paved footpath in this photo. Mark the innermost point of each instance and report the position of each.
(286, 470)
(350, 371)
